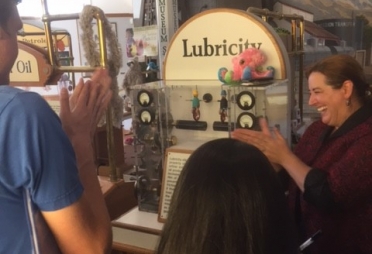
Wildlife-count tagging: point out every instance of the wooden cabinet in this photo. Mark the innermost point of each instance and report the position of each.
(100, 146)
(119, 196)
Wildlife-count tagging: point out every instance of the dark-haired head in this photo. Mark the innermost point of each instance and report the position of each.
(339, 68)
(5, 11)
(130, 31)
(228, 199)
(10, 24)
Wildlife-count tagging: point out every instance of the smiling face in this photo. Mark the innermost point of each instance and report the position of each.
(329, 102)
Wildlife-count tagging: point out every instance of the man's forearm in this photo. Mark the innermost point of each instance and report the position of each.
(87, 171)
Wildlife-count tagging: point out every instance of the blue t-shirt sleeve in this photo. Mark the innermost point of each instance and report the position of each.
(40, 155)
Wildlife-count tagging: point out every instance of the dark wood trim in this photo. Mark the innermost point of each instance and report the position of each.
(130, 248)
(136, 228)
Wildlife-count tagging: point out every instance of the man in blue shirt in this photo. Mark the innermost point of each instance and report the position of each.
(50, 197)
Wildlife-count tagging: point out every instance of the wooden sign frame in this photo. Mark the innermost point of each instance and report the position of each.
(46, 73)
(174, 161)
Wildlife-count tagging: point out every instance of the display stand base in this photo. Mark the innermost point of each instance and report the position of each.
(222, 126)
(191, 125)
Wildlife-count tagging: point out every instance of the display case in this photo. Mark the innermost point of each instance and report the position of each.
(164, 115)
(249, 102)
(152, 124)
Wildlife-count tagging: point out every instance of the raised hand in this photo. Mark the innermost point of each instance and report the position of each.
(271, 143)
(81, 112)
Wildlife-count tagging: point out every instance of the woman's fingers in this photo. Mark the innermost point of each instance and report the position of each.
(98, 74)
(280, 141)
(103, 105)
(78, 88)
(271, 143)
(93, 96)
(101, 83)
(264, 126)
(76, 93)
(101, 98)
(83, 98)
(252, 137)
(102, 77)
(64, 102)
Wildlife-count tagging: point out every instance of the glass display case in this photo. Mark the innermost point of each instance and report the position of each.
(251, 101)
(184, 114)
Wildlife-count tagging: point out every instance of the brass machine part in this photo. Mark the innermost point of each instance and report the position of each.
(98, 15)
(70, 58)
(297, 22)
(172, 140)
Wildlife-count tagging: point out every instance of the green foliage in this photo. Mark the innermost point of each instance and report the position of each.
(365, 20)
(281, 31)
(367, 36)
(367, 31)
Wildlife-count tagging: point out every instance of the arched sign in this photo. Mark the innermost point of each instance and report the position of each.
(32, 68)
(35, 34)
(210, 39)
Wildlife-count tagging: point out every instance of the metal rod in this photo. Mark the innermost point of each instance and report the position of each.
(102, 40)
(22, 33)
(58, 17)
(75, 68)
(71, 61)
(301, 67)
(99, 15)
(109, 126)
(294, 35)
(110, 146)
(48, 33)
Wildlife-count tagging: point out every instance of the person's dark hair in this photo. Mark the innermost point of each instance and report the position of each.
(228, 199)
(5, 7)
(338, 69)
(130, 30)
